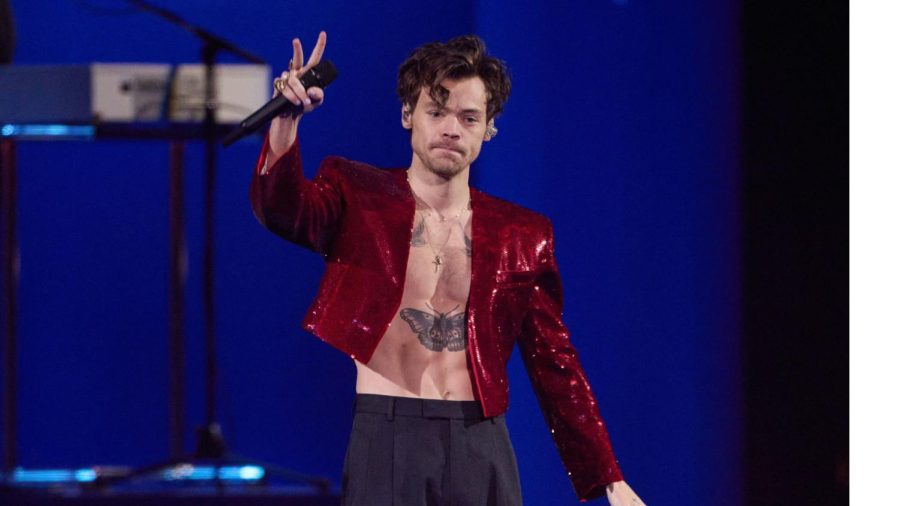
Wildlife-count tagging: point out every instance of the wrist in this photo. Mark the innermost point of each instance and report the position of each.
(614, 486)
(282, 134)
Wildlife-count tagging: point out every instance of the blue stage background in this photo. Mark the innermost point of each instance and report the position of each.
(622, 127)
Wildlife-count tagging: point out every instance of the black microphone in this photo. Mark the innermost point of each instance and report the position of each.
(321, 75)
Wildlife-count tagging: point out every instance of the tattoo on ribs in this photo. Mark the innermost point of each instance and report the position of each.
(418, 235)
(439, 330)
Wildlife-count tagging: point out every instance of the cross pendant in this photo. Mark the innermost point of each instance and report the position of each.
(437, 262)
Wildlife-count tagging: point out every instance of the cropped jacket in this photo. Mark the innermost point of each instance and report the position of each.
(360, 218)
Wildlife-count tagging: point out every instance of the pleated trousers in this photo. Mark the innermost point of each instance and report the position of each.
(423, 452)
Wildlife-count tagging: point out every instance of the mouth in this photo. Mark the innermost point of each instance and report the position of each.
(450, 149)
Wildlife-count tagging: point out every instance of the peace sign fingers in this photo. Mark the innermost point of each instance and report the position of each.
(297, 59)
(316, 55)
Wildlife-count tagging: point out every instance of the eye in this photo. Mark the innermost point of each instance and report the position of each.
(472, 120)
(435, 114)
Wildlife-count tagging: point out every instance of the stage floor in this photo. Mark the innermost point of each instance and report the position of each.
(193, 496)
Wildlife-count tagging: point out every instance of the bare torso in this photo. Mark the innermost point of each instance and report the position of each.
(423, 352)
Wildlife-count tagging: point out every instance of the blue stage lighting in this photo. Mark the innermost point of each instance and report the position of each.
(36, 132)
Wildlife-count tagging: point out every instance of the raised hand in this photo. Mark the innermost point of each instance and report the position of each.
(289, 84)
(283, 130)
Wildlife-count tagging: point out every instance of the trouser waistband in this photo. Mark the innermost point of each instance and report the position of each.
(423, 408)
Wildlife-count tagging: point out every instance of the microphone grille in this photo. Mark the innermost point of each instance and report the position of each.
(321, 75)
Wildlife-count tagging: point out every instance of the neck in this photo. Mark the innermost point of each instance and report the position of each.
(446, 196)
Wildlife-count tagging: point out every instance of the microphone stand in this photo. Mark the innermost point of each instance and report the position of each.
(211, 447)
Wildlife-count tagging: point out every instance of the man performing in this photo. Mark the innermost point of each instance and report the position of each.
(428, 286)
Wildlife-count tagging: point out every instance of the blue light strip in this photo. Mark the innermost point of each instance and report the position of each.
(53, 476)
(248, 473)
(226, 473)
(47, 131)
(185, 472)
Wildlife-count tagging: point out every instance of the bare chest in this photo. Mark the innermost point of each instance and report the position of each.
(439, 269)
(422, 353)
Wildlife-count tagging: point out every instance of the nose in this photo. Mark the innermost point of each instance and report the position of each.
(450, 127)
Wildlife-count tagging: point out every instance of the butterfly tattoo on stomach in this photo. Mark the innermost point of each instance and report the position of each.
(439, 330)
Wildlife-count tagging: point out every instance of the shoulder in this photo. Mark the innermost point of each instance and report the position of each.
(361, 175)
(513, 215)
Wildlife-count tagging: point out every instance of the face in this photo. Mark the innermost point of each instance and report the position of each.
(447, 139)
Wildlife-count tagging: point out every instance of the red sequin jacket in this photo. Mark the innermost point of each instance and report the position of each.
(360, 220)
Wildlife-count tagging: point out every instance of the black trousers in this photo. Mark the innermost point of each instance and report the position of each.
(423, 452)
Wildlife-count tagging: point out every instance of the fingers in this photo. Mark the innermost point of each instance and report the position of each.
(298, 54)
(317, 51)
(289, 84)
(293, 90)
(293, 84)
(297, 94)
(314, 58)
(316, 95)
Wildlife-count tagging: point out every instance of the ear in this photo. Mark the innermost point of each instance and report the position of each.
(491, 131)
(406, 117)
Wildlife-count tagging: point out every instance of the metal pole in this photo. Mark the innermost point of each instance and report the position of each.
(209, 127)
(177, 282)
(10, 286)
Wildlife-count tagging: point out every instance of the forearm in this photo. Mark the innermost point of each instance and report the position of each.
(569, 406)
(285, 202)
(282, 133)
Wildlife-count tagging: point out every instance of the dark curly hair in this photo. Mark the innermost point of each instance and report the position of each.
(461, 57)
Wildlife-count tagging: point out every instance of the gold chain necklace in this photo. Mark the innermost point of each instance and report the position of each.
(438, 259)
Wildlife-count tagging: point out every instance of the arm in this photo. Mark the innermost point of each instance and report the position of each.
(302, 211)
(299, 210)
(563, 391)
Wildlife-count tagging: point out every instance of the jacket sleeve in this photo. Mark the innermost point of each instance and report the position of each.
(569, 406)
(302, 211)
